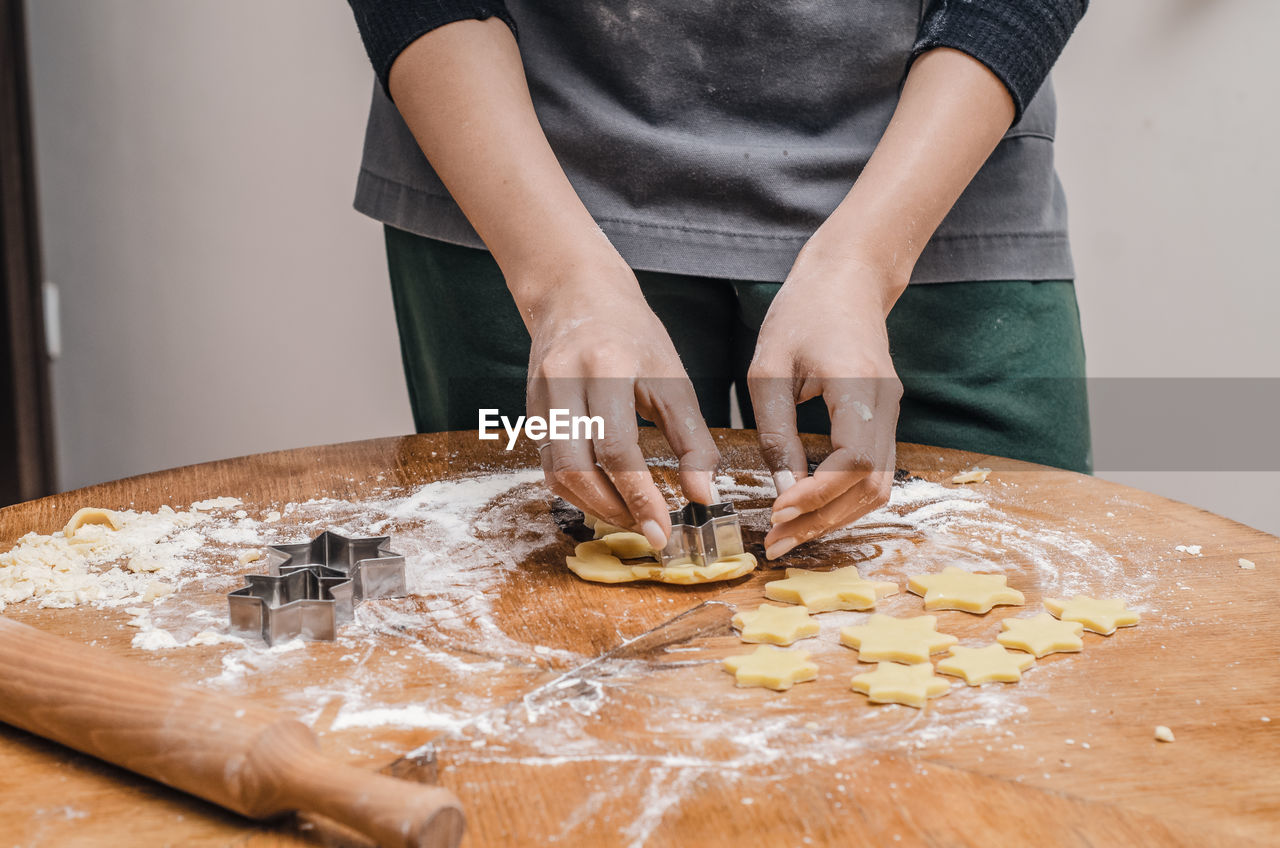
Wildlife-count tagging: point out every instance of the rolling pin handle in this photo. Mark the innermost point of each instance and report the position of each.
(394, 813)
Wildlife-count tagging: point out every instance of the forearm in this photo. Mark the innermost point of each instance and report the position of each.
(952, 113)
(462, 91)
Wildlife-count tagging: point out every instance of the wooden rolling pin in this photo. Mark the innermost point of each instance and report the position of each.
(226, 750)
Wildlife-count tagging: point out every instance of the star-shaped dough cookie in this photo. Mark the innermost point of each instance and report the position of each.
(775, 625)
(1041, 635)
(771, 667)
(903, 640)
(891, 683)
(1101, 615)
(990, 664)
(823, 591)
(958, 589)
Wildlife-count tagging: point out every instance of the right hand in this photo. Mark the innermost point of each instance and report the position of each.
(598, 350)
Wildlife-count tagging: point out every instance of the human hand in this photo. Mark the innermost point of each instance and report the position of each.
(824, 335)
(599, 350)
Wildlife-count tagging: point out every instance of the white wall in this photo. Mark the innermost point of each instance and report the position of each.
(1166, 145)
(220, 297)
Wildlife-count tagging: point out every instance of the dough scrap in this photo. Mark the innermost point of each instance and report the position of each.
(772, 668)
(1042, 635)
(775, 625)
(973, 475)
(600, 527)
(91, 515)
(1246, 563)
(912, 685)
(1163, 734)
(823, 591)
(155, 590)
(628, 545)
(958, 589)
(595, 561)
(988, 664)
(1101, 615)
(902, 640)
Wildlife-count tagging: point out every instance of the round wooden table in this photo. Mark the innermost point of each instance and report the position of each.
(573, 713)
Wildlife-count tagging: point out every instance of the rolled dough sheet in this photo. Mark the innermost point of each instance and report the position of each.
(596, 562)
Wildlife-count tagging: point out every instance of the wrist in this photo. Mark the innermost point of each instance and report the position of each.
(850, 273)
(558, 283)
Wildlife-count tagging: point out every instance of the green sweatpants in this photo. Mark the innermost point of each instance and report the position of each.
(993, 367)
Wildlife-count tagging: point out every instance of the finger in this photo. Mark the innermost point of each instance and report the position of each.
(672, 404)
(868, 494)
(852, 407)
(774, 401)
(569, 465)
(852, 504)
(617, 450)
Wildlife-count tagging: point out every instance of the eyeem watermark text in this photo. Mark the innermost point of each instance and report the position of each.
(559, 425)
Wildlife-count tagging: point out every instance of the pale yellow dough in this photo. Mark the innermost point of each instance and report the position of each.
(1041, 635)
(91, 515)
(823, 591)
(1101, 615)
(891, 683)
(901, 640)
(601, 527)
(775, 625)
(973, 475)
(963, 590)
(772, 668)
(989, 664)
(628, 545)
(595, 561)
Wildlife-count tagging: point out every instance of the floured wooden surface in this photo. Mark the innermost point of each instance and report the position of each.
(568, 712)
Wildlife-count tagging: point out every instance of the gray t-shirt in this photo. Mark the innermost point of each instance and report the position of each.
(712, 138)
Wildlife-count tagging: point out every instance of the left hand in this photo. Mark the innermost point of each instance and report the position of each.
(825, 335)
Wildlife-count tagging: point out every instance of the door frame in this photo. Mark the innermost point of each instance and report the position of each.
(26, 409)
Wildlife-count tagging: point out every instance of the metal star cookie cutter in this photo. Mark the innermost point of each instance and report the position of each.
(703, 533)
(313, 587)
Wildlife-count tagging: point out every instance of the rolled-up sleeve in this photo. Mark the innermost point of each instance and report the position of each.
(389, 26)
(1019, 40)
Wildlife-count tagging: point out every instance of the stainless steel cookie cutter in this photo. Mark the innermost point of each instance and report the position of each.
(312, 587)
(703, 533)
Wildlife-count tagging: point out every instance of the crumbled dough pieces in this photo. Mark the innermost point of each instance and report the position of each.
(1247, 564)
(902, 640)
(775, 625)
(958, 589)
(142, 563)
(989, 664)
(595, 561)
(891, 683)
(91, 515)
(973, 475)
(1101, 615)
(249, 556)
(628, 545)
(772, 668)
(823, 591)
(216, 503)
(1042, 635)
(1163, 734)
(156, 590)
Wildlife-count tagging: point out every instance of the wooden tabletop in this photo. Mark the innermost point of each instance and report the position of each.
(580, 714)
